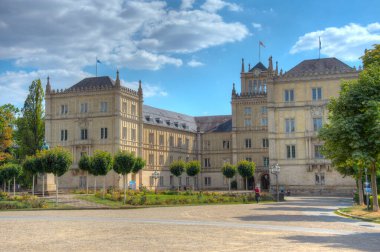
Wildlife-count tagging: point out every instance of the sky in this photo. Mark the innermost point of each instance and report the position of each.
(186, 53)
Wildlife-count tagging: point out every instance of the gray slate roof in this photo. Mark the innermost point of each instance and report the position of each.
(259, 66)
(319, 66)
(101, 81)
(221, 123)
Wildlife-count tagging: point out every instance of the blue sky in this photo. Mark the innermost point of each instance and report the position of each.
(187, 53)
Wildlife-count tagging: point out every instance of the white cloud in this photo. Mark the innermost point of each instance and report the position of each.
(194, 63)
(347, 42)
(216, 5)
(149, 90)
(257, 26)
(187, 4)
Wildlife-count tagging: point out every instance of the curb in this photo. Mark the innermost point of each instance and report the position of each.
(355, 217)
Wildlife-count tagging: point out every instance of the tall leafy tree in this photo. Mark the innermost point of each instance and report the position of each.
(30, 167)
(229, 172)
(176, 168)
(101, 164)
(246, 169)
(85, 165)
(30, 126)
(11, 172)
(7, 120)
(371, 56)
(192, 169)
(57, 161)
(123, 163)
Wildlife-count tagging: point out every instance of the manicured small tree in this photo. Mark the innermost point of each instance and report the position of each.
(12, 171)
(123, 163)
(176, 168)
(246, 169)
(101, 163)
(229, 172)
(30, 167)
(41, 168)
(192, 169)
(57, 161)
(139, 165)
(85, 165)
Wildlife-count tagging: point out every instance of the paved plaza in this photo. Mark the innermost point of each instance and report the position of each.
(299, 224)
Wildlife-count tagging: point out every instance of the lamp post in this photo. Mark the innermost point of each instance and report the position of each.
(155, 176)
(367, 188)
(45, 146)
(275, 169)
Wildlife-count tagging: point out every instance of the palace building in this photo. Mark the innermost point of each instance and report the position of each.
(275, 119)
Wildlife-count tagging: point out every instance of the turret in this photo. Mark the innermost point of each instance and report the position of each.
(48, 87)
(140, 91)
(276, 72)
(270, 65)
(242, 65)
(233, 90)
(117, 82)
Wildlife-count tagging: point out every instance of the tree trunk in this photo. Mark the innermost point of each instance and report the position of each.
(360, 187)
(9, 186)
(194, 183)
(95, 186)
(43, 184)
(56, 190)
(126, 177)
(246, 183)
(14, 186)
(229, 184)
(178, 183)
(125, 189)
(104, 187)
(87, 182)
(374, 188)
(33, 186)
(5, 185)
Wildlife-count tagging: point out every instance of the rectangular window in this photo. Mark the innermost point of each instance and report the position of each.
(133, 134)
(264, 110)
(247, 123)
(289, 95)
(318, 152)
(320, 178)
(133, 109)
(316, 94)
(248, 159)
(248, 143)
(171, 180)
(103, 107)
(64, 109)
(151, 159)
(171, 141)
(247, 111)
(289, 125)
(264, 121)
(179, 142)
(265, 143)
(170, 159)
(226, 144)
(83, 134)
(207, 181)
(124, 133)
(291, 151)
(161, 160)
(317, 123)
(187, 143)
(266, 161)
(103, 133)
(161, 140)
(83, 107)
(207, 162)
(124, 107)
(161, 180)
(151, 138)
(206, 144)
(63, 135)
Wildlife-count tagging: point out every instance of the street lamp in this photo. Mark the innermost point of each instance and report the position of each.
(45, 146)
(155, 176)
(367, 188)
(275, 169)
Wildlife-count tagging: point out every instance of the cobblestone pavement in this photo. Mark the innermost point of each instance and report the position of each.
(299, 224)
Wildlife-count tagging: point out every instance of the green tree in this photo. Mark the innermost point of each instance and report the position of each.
(100, 165)
(229, 172)
(7, 120)
(12, 171)
(176, 168)
(139, 165)
(30, 126)
(30, 167)
(85, 165)
(57, 161)
(192, 169)
(123, 163)
(371, 56)
(246, 169)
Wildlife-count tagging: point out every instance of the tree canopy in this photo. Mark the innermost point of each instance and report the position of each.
(177, 168)
(101, 163)
(56, 160)
(124, 162)
(228, 170)
(246, 168)
(193, 168)
(139, 164)
(84, 163)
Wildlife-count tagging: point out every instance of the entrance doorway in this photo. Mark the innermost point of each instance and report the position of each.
(251, 183)
(265, 181)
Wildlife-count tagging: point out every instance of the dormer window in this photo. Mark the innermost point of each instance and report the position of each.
(184, 125)
(176, 124)
(147, 118)
(158, 120)
(168, 122)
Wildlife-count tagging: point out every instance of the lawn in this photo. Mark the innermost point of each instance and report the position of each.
(362, 212)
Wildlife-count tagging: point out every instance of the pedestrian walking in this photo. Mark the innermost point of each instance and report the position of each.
(257, 194)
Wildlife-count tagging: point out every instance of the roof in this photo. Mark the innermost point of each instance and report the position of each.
(221, 123)
(319, 66)
(259, 66)
(168, 119)
(102, 81)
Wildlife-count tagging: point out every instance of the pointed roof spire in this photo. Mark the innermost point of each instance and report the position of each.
(48, 87)
(242, 65)
(270, 64)
(117, 82)
(140, 91)
(276, 68)
(249, 67)
(233, 89)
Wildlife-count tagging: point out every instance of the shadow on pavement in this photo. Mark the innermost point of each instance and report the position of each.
(294, 218)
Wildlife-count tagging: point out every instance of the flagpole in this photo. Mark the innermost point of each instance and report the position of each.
(96, 67)
(259, 52)
(319, 57)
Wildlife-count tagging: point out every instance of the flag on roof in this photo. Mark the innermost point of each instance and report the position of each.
(261, 43)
